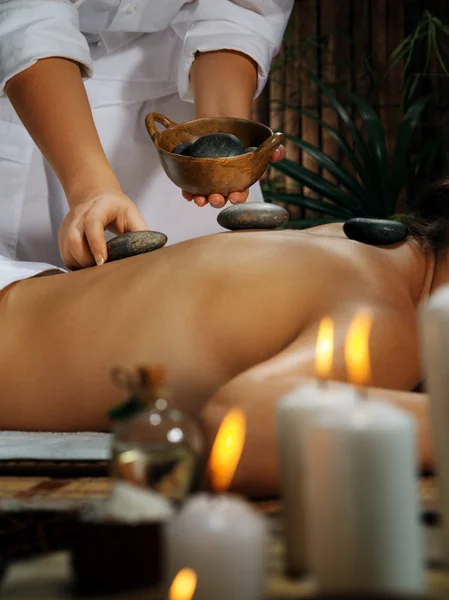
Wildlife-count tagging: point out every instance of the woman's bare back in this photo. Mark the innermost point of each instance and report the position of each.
(208, 309)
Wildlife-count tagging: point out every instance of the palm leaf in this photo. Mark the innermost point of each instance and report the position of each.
(398, 172)
(310, 203)
(345, 147)
(376, 144)
(425, 158)
(332, 167)
(359, 143)
(369, 177)
(316, 183)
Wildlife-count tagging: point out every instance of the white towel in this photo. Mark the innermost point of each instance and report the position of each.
(25, 445)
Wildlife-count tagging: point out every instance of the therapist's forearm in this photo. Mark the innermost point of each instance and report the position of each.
(224, 84)
(51, 101)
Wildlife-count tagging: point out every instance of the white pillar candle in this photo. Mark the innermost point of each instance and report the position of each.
(224, 540)
(434, 329)
(294, 413)
(364, 518)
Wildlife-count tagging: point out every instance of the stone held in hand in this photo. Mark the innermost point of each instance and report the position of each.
(376, 232)
(259, 215)
(132, 243)
(215, 145)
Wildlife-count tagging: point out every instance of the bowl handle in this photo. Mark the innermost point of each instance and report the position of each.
(270, 144)
(150, 123)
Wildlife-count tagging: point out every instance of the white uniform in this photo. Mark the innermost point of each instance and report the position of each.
(137, 56)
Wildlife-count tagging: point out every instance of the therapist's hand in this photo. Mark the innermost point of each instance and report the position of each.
(218, 201)
(81, 236)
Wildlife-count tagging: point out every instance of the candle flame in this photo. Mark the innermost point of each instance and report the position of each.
(324, 348)
(357, 349)
(183, 585)
(227, 449)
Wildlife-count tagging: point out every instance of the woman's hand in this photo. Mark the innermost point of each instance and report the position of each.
(81, 236)
(51, 100)
(218, 201)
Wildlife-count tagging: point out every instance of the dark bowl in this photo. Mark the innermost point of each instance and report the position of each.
(205, 176)
(110, 557)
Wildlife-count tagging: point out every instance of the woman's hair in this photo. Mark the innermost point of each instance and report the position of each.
(428, 219)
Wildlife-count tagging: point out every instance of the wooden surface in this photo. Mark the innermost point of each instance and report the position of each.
(48, 577)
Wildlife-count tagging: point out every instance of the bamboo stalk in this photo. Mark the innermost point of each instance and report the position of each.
(292, 93)
(343, 32)
(308, 27)
(394, 82)
(329, 74)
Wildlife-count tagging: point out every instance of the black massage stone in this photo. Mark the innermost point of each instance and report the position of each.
(258, 215)
(132, 243)
(376, 232)
(215, 145)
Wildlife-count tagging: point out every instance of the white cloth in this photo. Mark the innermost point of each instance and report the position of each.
(31, 30)
(35, 445)
(13, 270)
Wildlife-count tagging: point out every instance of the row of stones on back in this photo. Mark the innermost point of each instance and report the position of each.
(214, 145)
(376, 232)
(268, 216)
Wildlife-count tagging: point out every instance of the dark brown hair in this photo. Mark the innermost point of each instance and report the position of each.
(428, 219)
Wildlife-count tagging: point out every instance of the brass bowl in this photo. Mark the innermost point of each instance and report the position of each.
(205, 176)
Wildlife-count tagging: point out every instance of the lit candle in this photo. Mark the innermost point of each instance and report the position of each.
(294, 414)
(183, 585)
(220, 537)
(361, 488)
(434, 329)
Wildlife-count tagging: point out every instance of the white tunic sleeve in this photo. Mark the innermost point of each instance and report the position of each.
(35, 29)
(253, 27)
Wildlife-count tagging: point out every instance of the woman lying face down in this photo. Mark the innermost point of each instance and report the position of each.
(234, 319)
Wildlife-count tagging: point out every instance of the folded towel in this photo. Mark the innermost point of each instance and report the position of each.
(27, 445)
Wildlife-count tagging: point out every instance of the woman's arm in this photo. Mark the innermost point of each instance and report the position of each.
(258, 390)
(50, 99)
(227, 52)
(224, 84)
(258, 397)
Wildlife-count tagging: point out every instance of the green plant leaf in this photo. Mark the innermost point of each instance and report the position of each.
(398, 172)
(359, 144)
(345, 147)
(316, 183)
(326, 162)
(425, 158)
(376, 144)
(310, 203)
(369, 175)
